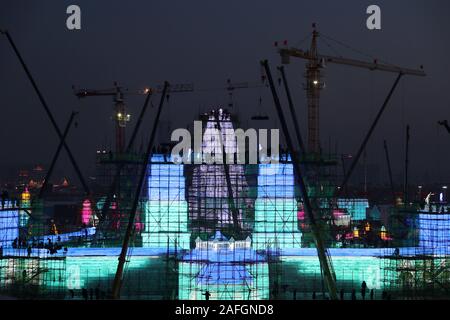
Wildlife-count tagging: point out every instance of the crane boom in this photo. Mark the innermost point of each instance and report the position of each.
(180, 87)
(286, 53)
(121, 117)
(93, 93)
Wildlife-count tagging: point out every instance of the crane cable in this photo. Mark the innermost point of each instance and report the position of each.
(300, 42)
(354, 49)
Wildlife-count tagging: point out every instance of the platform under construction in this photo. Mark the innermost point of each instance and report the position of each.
(185, 241)
(282, 227)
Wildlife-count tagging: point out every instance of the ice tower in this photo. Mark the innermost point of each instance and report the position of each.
(276, 225)
(209, 203)
(166, 211)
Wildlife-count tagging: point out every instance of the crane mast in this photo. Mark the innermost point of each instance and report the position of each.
(120, 116)
(313, 86)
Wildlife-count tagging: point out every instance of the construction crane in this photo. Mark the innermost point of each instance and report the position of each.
(121, 117)
(118, 278)
(232, 86)
(314, 84)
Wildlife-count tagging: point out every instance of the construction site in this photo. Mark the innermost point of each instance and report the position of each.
(286, 228)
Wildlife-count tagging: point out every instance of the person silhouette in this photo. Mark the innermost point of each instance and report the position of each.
(363, 290)
(207, 295)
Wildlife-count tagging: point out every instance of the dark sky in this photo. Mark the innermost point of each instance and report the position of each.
(139, 43)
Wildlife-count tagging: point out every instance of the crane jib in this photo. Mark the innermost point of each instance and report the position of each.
(293, 52)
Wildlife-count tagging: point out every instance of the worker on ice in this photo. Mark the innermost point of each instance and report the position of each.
(207, 295)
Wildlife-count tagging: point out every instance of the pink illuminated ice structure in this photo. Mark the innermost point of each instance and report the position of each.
(86, 212)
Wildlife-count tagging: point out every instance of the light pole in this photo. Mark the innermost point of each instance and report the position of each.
(444, 192)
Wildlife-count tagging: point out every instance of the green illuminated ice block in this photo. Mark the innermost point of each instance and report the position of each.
(166, 211)
(276, 222)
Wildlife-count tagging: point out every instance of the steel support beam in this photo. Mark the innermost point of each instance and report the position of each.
(56, 156)
(325, 260)
(292, 110)
(388, 161)
(231, 202)
(117, 284)
(405, 192)
(369, 133)
(47, 110)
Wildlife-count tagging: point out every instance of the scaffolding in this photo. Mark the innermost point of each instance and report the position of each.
(224, 262)
(166, 211)
(123, 167)
(211, 206)
(32, 259)
(418, 265)
(38, 276)
(275, 225)
(185, 244)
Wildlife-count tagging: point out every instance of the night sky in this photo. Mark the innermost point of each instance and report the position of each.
(143, 43)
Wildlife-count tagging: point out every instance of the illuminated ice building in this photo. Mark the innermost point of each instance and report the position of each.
(232, 232)
(224, 260)
(166, 210)
(211, 206)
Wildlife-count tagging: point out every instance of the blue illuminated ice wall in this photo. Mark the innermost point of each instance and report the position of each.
(276, 208)
(227, 269)
(434, 232)
(166, 211)
(355, 207)
(9, 226)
